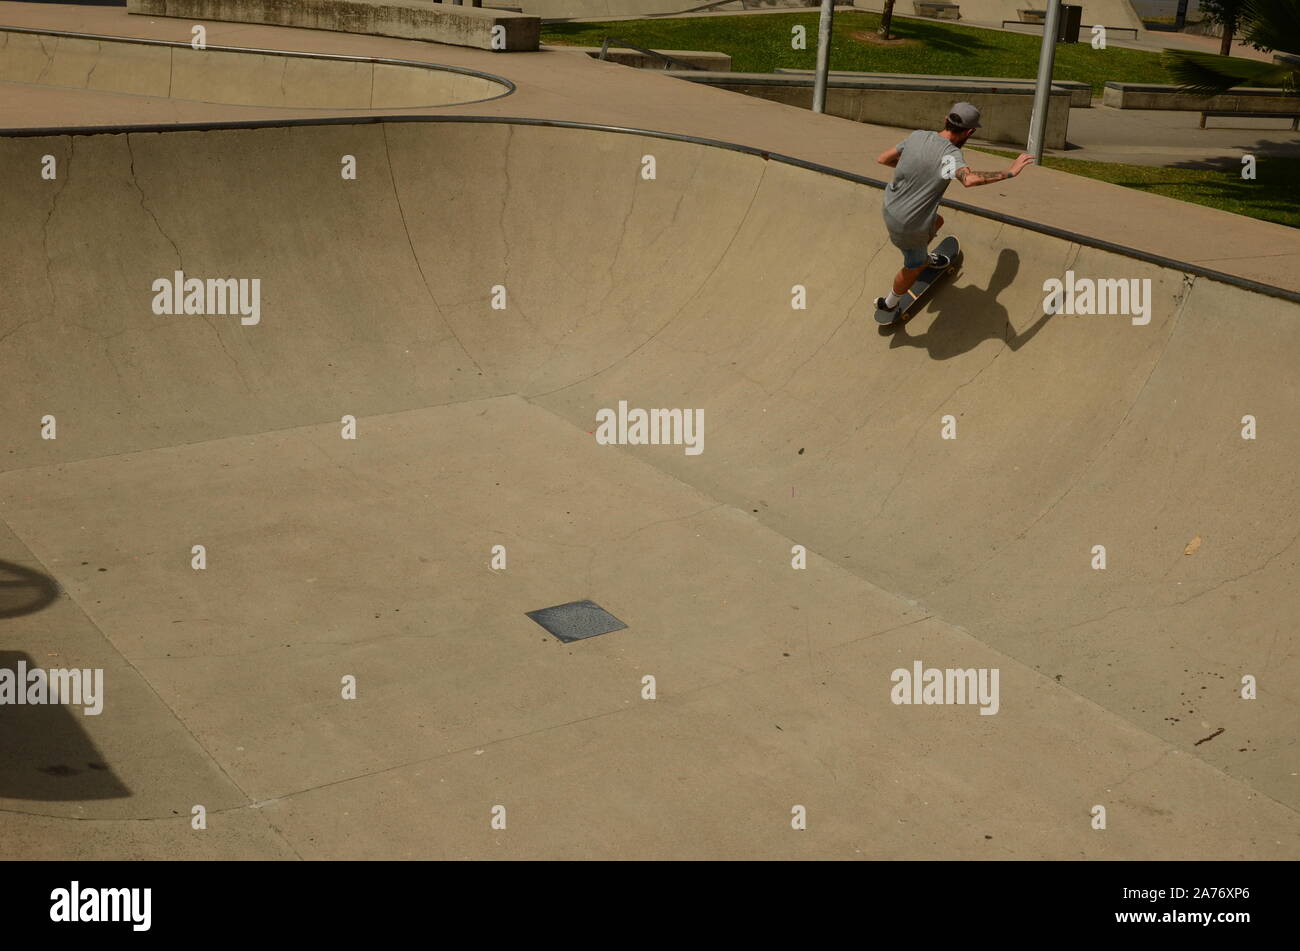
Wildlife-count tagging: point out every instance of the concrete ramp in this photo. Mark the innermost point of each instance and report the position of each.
(473, 300)
(172, 70)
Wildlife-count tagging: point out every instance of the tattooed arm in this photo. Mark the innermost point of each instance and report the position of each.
(970, 178)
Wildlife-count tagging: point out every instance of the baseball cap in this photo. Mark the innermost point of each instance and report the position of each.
(964, 115)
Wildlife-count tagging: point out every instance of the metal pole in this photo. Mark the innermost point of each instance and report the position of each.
(1043, 87)
(823, 55)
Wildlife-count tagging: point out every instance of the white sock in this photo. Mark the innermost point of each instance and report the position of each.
(890, 300)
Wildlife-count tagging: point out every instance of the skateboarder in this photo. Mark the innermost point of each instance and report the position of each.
(926, 162)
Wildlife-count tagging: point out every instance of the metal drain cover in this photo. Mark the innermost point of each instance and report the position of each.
(577, 620)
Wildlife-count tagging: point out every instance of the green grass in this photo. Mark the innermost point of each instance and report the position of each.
(1274, 194)
(760, 44)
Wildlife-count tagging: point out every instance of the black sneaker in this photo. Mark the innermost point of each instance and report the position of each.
(937, 260)
(886, 315)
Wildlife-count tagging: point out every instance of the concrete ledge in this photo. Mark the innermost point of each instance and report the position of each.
(236, 76)
(1151, 96)
(1080, 93)
(936, 10)
(921, 104)
(405, 19)
(704, 59)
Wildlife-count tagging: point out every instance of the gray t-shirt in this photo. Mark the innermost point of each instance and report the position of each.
(912, 198)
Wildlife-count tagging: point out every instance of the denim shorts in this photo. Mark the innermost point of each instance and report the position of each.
(915, 257)
(915, 246)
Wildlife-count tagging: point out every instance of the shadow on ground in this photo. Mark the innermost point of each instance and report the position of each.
(45, 753)
(965, 316)
(24, 591)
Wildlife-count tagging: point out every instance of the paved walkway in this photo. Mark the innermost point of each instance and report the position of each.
(1136, 137)
(1174, 139)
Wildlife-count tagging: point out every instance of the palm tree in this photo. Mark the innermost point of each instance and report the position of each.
(1227, 14)
(1269, 25)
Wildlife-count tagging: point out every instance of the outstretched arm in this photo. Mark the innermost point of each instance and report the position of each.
(890, 158)
(970, 178)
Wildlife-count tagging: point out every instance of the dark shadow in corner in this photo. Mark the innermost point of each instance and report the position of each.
(966, 316)
(24, 591)
(45, 754)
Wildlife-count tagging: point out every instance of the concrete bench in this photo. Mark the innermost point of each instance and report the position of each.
(907, 104)
(1293, 116)
(1080, 93)
(1262, 100)
(638, 59)
(936, 10)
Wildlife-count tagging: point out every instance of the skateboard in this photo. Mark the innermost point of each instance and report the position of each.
(925, 281)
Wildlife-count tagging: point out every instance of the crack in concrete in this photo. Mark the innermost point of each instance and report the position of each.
(99, 53)
(722, 256)
(130, 151)
(848, 315)
(49, 59)
(927, 420)
(45, 231)
(1147, 607)
(1164, 754)
(410, 242)
(1086, 468)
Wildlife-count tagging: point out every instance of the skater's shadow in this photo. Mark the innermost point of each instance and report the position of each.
(965, 316)
(46, 752)
(24, 590)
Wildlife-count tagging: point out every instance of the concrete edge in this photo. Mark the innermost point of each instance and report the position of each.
(862, 74)
(1052, 231)
(475, 27)
(833, 82)
(507, 84)
(1170, 88)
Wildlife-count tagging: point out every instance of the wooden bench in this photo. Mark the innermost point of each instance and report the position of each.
(1293, 116)
(936, 10)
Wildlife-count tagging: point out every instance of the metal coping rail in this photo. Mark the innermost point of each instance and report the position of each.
(1100, 244)
(1127, 29)
(510, 87)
